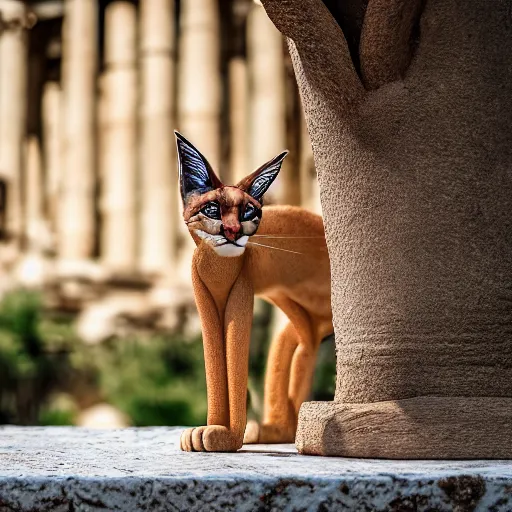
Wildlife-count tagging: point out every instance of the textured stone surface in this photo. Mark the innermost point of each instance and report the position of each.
(65, 469)
(414, 165)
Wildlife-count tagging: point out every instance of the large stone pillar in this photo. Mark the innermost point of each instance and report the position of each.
(199, 76)
(79, 67)
(34, 193)
(118, 143)
(238, 95)
(199, 94)
(412, 138)
(13, 89)
(158, 172)
(238, 120)
(32, 268)
(52, 148)
(267, 98)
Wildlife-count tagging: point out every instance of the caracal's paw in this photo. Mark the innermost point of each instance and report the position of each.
(213, 438)
(268, 433)
(252, 432)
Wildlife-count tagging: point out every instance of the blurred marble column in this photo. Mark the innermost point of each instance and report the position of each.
(158, 170)
(118, 143)
(13, 92)
(52, 149)
(267, 98)
(79, 68)
(199, 93)
(238, 97)
(238, 162)
(34, 212)
(33, 268)
(199, 77)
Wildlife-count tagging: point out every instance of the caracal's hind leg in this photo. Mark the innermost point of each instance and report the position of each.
(280, 411)
(279, 420)
(303, 369)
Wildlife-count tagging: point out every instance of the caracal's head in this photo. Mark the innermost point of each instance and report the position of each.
(223, 216)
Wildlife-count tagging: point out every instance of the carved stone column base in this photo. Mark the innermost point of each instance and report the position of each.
(426, 427)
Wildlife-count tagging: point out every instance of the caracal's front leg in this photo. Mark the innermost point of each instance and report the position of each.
(215, 366)
(228, 437)
(237, 328)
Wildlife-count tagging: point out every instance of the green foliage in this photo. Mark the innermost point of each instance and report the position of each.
(47, 374)
(155, 381)
(56, 417)
(27, 367)
(324, 381)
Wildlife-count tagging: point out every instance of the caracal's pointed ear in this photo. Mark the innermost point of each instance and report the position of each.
(257, 183)
(196, 174)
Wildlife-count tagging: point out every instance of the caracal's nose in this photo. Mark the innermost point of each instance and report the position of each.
(230, 232)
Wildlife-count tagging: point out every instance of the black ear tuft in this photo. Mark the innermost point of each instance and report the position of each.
(196, 174)
(263, 177)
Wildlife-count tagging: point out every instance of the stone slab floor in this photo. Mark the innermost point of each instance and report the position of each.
(71, 469)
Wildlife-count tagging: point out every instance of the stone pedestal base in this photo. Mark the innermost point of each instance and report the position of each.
(417, 428)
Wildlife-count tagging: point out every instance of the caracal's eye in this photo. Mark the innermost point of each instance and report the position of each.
(211, 210)
(249, 212)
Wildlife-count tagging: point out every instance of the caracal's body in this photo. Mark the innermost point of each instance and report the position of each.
(224, 287)
(231, 266)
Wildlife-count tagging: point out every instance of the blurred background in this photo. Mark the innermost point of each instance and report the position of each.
(98, 325)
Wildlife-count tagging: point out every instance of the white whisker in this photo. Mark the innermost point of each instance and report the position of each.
(277, 248)
(286, 236)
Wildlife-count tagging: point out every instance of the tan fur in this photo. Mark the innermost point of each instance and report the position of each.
(224, 288)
